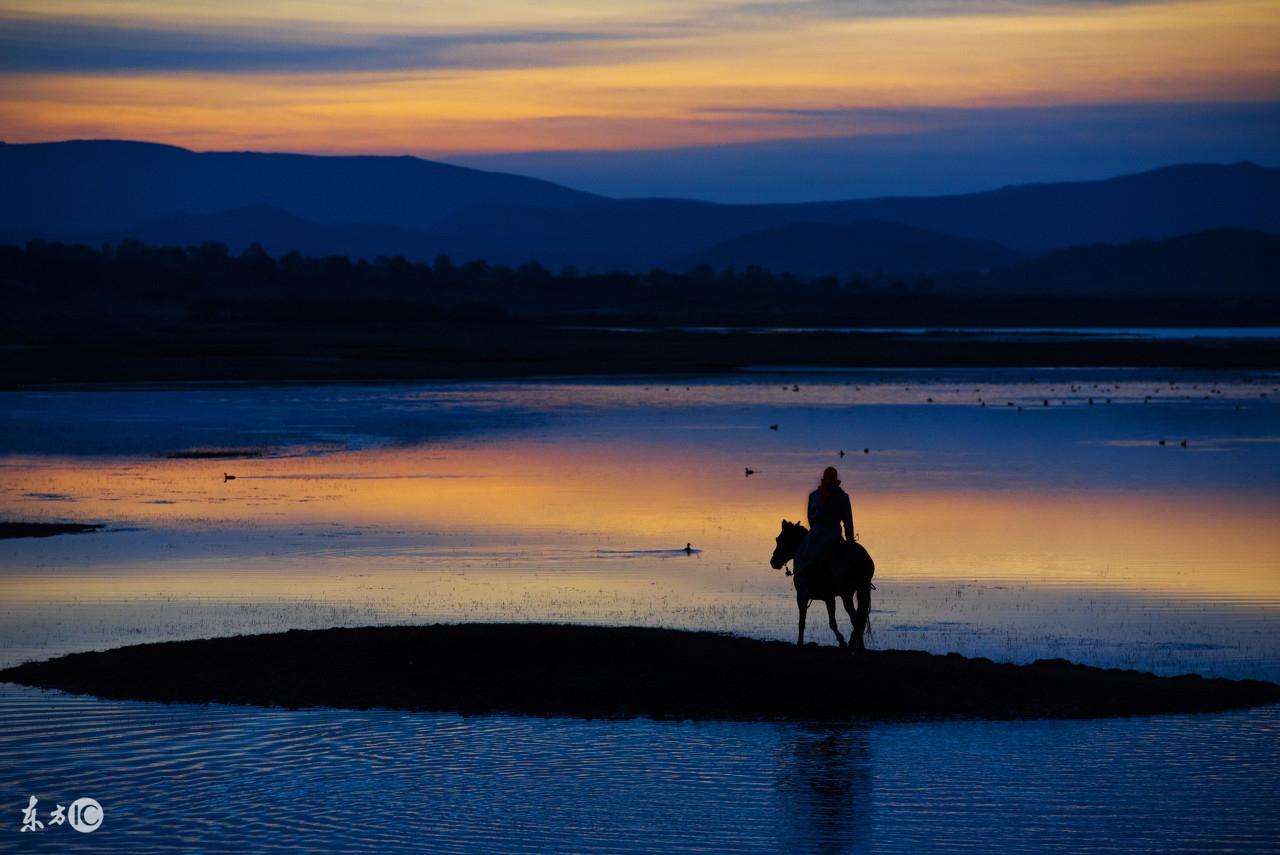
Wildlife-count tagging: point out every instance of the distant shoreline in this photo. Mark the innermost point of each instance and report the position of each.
(252, 353)
(617, 672)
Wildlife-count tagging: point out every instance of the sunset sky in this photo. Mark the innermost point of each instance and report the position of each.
(714, 98)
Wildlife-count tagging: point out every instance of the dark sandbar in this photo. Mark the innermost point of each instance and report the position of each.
(547, 669)
(30, 529)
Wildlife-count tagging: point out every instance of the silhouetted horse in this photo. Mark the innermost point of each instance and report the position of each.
(841, 573)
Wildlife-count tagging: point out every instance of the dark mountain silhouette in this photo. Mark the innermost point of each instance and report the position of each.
(1220, 262)
(73, 189)
(112, 185)
(1035, 218)
(1031, 219)
(868, 247)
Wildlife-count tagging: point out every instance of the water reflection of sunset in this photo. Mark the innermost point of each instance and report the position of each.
(1065, 530)
(647, 497)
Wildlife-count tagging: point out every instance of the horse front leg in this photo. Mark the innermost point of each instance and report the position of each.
(831, 618)
(803, 604)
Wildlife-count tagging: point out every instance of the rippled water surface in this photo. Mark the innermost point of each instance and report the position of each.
(228, 779)
(1013, 514)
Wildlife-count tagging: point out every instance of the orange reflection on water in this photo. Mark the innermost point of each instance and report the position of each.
(415, 508)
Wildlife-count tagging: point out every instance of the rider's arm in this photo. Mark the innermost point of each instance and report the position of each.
(813, 507)
(847, 518)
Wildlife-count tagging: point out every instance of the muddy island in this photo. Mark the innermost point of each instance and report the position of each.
(38, 529)
(606, 672)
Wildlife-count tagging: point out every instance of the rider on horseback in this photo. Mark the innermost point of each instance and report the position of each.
(829, 507)
(828, 565)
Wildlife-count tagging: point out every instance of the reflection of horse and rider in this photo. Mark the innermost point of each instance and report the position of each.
(828, 564)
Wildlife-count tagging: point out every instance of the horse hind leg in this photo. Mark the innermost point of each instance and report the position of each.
(803, 604)
(858, 626)
(831, 617)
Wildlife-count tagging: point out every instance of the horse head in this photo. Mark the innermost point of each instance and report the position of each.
(786, 544)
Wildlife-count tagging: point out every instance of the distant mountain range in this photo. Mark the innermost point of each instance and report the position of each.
(99, 191)
(868, 246)
(113, 185)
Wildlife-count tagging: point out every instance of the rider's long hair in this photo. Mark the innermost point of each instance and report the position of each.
(829, 483)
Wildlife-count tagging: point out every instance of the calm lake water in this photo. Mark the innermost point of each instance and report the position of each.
(1014, 514)
(1004, 333)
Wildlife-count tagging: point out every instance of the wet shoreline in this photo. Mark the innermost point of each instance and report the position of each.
(463, 351)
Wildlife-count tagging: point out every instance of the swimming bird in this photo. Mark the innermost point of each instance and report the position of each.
(773, 427)
(749, 471)
(842, 452)
(1162, 442)
(866, 451)
(226, 477)
(1184, 443)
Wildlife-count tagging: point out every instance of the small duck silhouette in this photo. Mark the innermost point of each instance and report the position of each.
(866, 451)
(842, 452)
(749, 471)
(226, 477)
(1184, 443)
(773, 427)
(1162, 442)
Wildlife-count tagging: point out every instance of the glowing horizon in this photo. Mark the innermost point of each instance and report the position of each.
(458, 78)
